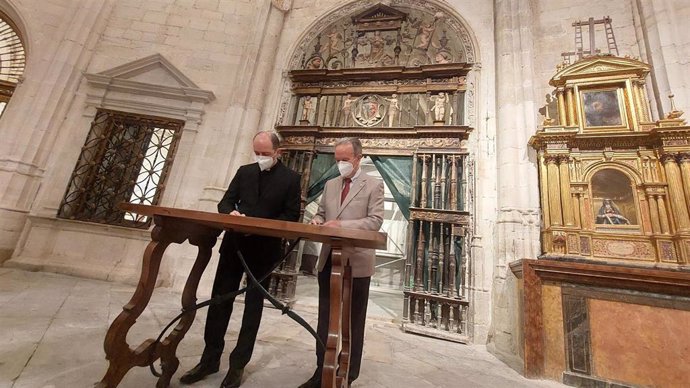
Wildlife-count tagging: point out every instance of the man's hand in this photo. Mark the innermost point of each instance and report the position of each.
(332, 223)
(236, 213)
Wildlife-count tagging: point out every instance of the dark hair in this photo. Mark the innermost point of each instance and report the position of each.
(275, 138)
(356, 144)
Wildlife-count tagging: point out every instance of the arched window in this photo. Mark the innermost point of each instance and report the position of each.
(12, 59)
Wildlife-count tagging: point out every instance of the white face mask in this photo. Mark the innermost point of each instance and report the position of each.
(265, 162)
(345, 168)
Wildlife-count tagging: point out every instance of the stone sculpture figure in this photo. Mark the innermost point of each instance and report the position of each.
(439, 107)
(393, 109)
(335, 42)
(347, 108)
(307, 108)
(426, 30)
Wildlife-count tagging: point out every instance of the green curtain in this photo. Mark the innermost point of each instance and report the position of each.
(396, 171)
(323, 168)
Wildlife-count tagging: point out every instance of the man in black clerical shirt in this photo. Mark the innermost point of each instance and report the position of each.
(265, 189)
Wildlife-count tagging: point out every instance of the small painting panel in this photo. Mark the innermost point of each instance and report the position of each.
(602, 108)
(613, 201)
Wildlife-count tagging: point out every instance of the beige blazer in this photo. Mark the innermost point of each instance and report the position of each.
(361, 209)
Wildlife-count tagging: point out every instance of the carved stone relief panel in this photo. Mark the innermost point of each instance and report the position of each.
(407, 34)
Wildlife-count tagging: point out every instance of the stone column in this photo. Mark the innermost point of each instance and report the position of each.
(518, 188)
(28, 135)
(675, 190)
(249, 100)
(566, 202)
(661, 24)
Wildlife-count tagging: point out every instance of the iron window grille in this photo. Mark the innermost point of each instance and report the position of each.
(126, 158)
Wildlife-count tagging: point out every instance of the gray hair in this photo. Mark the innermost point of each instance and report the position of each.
(275, 138)
(356, 144)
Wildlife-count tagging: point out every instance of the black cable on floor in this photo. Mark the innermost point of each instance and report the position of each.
(251, 283)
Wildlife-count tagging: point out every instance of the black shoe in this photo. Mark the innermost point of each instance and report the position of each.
(233, 379)
(200, 371)
(314, 381)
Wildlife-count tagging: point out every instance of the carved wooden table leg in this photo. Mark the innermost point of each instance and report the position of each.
(330, 363)
(344, 363)
(168, 347)
(118, 352)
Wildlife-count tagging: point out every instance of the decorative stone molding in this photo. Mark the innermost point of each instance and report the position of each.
(151, 86)
(282, 5)
(525, 217)
(399, 143)
(440, 216)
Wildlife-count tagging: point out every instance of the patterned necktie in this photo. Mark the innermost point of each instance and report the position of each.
(346, 189)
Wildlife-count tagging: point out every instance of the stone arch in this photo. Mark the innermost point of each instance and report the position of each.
(320, 25)
(13, 52)
(10, 10)
(454, 21)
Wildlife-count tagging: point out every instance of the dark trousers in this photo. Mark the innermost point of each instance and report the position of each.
(360, 297)
(261, 254)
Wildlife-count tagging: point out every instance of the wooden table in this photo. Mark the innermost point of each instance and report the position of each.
(201, 229)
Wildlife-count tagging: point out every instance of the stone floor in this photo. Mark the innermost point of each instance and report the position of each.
(52, 329)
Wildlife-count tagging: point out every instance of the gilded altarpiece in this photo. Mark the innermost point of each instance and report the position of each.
(614, 184)
(397, 78)
(613, 280)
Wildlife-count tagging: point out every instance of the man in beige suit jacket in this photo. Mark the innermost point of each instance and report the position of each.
(353, 200)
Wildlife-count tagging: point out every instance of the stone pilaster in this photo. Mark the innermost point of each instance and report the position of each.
(661, 24)
(29, 134)
(518, 197)
(244, 114)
